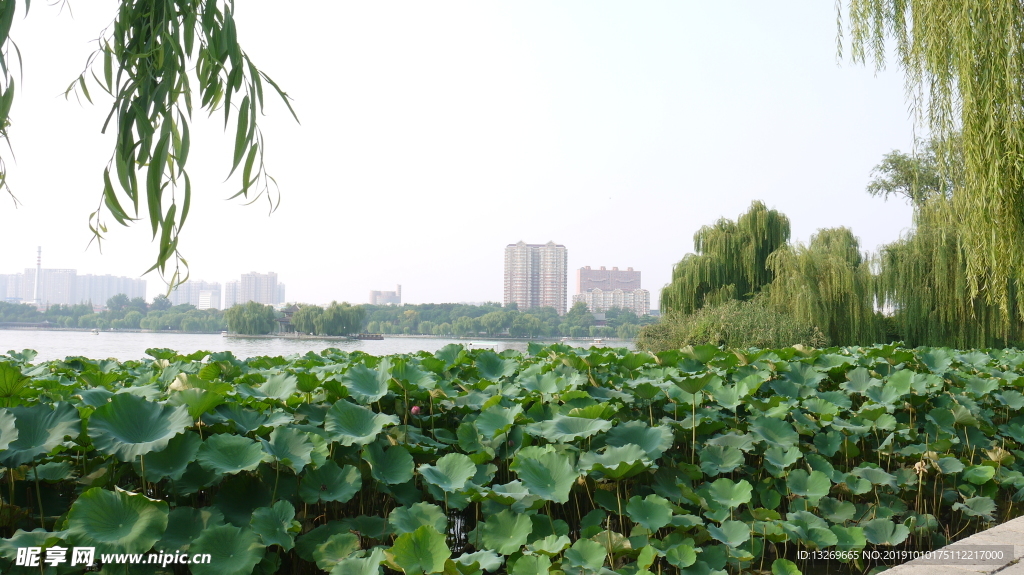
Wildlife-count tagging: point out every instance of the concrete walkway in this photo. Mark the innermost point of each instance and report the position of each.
(1009, 533)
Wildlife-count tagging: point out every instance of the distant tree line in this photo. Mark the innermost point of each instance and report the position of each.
(121, 313)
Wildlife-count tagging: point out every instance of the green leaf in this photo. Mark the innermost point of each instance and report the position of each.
(785, 567)
(884, 532)
(233, 551)
(39, 430)
(849, 537)
(172, 460)
(681, 556)
(336, 549)
(548, 475)
(409, 519)
(775, 432)
(365, 385)
(653, 440)
(492, 367)
(653, 512)
(487, 560)
(422, 551)
(368, 565)
(813, 486)
(53, 471)
(732, 533)
(585, 556)
(351, 424)
(506, 532)
(978, 507)
(229, 454)
(616, 462)
(948, 465)
(276, 525)
(876, 476)
(129, 426)
(330, 483)
(451, 472)
(116, 522)
(979, 474)
(289, 446)
(564, 429)
(729, 494)
(199, 401)
(496, 420)
(532, 565)
(185, 524)
(718, 460)
(12, 381)
(393, 467)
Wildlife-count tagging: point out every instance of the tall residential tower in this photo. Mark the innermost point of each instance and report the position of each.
(536, 275)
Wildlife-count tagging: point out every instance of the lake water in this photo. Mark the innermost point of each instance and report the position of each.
(132, 345)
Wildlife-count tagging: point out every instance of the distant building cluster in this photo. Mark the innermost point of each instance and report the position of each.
(536, 275)
(202, 294)
(45, 287)
(386, 297)
(257, 287)
(603, 289)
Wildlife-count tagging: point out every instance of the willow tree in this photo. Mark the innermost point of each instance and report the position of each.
(729, 261)
(158, 60)
(828, 283)
(964, 69)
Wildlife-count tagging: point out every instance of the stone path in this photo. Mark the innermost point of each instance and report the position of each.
(1009, 533)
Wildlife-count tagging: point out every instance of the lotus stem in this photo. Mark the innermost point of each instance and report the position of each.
(39, 496)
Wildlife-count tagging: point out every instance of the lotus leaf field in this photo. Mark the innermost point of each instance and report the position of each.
(561, 460)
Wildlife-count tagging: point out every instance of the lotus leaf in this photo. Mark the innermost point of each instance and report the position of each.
(729, 494)
(367, 565)
(276, 525)
(884, 532)
(198, 401)
(116, 522)
(532, 565)
(775, 431)
(585, 556)
(233, 551)
(248, 420)
(240, 495)
(451, 472)
(409, 519)
(949, 465)
(653, 512)
(289, 446)
(394, 466)
(366, 385)
(487, 560)
(495, 420)
(330, 483)
(564, 429)
(978, 507)
(813, 486)
(547, 475)
(229, 454)
(8, 428)
(653, 440)
(278, 386)
(337, 548)
(616, 462)
(732, 533)
(307, 543)
(849, 537)
(550, 545)
(39, 430)
(979, 474)
(185, 524)
(681, 556)
(505, 532)
(837, 511)
(785, 567)
(351, 424)
(172, 460)
(492, 367)
(421, 551)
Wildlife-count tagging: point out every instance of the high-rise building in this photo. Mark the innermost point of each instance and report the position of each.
(536, 275)
(191, 292)
(231, 294)
(386, 297)
(262, 288)
(10, 288)
(97, 289)
(606, 280)
(600, 301)
(280, 293)
(55, 286)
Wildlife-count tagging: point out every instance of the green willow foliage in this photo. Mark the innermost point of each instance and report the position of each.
(250, 318)
(828, 284)
(964, 69)
(729, 262)
(150, 60)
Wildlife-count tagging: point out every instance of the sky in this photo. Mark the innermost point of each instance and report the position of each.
(433, 134)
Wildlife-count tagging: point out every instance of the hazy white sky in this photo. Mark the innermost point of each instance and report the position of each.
(435, 133)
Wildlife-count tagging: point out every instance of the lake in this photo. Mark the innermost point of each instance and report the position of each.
(133, 345)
